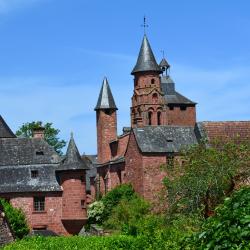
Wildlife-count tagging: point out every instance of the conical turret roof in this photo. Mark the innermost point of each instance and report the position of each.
(73, 160)
(105, 99)
(146, 60)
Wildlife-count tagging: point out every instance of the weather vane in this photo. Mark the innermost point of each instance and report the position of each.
(144, 25)
(163, 53)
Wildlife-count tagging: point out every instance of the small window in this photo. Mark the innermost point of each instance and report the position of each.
(152, 81)
(39, 153)
(159, 118)
(149, 118)
(34, 173)
(83, 204)
(171, 107)
(82, 179)
(108, 111)
(39, 204)
(182, 108)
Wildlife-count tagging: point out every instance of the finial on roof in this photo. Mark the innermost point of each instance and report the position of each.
(144, 25)
(164, 64)
(105, 99)
(146, 59)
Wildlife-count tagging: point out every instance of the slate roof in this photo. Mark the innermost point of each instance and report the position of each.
(5, 131)
(164, 139)
(25, 151)
(105, 99)
(73, 159)
(170, 94)
(91, 161)
(164, 63)
(18, 178)
(146, 60)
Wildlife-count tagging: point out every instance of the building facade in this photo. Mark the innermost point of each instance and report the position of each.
(49, 189)
(163, 122)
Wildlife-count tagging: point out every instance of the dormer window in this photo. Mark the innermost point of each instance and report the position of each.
(39, 153)
(34, 174)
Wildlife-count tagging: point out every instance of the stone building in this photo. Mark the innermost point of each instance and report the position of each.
(50, 190)
(163, 122)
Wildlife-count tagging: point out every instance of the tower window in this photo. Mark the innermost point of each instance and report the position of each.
(171, 107)
(149, 118)
(182, 108)
(159, 118)
(152, 81)
(39, 204)
(34, 173)
(39, 153)
(108, 111)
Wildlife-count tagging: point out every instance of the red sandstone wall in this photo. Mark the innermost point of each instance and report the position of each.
(106, 132)
(133, 166)
(50, 218)
(153, 176)
(74, 192)
(181, 117)
(122, 146)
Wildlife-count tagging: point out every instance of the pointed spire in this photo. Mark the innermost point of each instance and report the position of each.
(146, 60)
(73, 159)
(5, 131)
(105, 100)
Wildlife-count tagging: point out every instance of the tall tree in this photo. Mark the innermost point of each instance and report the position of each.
(206, 175)
(50, 134)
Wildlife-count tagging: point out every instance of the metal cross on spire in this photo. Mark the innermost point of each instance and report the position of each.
(144, 25)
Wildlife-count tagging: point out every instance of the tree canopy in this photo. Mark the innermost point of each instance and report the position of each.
(50, 133)
(205, 175)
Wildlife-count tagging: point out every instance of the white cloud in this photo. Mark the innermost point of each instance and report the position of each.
(9, 5)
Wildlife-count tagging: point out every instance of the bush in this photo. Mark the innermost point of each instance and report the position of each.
(126, 214)
(112, 198)
(95, 212)
(229, 228)
(16, 219)
(81, 243)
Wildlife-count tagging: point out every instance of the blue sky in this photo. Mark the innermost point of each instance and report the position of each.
(55, 53)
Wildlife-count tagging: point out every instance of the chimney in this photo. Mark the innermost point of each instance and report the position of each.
(38, 132)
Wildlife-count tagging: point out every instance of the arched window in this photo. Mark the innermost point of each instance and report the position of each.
(152, 81)
(159, 118)
(150, 118)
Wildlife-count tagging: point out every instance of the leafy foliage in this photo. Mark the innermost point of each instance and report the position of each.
(82, 243)
(51, 134)
(112, 198)
(126, 214)
(95, 212)
(205, 176)
(230, 227)
(16, 219)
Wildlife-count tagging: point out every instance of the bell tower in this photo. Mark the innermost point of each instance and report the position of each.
(148, 98)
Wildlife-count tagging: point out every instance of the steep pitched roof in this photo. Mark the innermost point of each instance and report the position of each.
(26, 151)
(15, 179)
(105, 99)
(164, 139)
(5, 131)
(73, 160)
(164, 63)
(170, 94)
(146, 60)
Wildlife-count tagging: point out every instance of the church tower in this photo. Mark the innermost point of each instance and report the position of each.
(148, 99)
(106, 122)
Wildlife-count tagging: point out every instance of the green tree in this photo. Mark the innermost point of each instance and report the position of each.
(205, 176)
(51, 134)
(16, 219)
(229, 228)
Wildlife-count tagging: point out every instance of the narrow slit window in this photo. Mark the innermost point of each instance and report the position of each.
(159, 118)
(149, 118)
